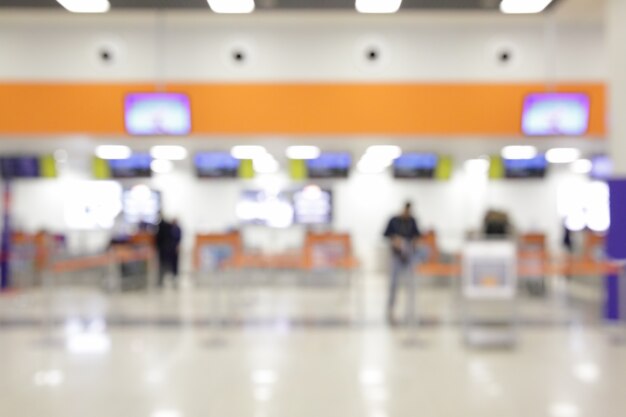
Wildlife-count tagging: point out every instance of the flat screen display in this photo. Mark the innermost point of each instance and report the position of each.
(415, 165)
(555, 114)
(312, 205)
(19, 167)
(265, 208)
(330, 165)
(148, 114)
(141, 204)
(216, 165)
(526, 168)
(137, 166)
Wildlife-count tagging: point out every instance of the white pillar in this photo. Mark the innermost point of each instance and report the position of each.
(615, 22)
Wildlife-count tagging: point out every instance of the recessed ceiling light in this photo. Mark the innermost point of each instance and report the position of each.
(519, 152)
(247, 152)
(389, 152)
(562, 155)
(86, 6)
(171, 152)
(232, 6)
(303, 152)
(378, 6)
(524, 6)
(113, 152)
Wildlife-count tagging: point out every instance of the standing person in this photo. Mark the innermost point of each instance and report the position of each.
(403, 234)
(177, 236)
(166, 248)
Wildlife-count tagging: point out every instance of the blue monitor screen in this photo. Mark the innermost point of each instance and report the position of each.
(19, 167)
(157, 114)
(415, 165)
(216, 165)
(138, 165)
(526, 168)
(555, 114)
(330, 165)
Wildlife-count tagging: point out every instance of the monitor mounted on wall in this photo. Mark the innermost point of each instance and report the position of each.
(157, 114)
(556, 114)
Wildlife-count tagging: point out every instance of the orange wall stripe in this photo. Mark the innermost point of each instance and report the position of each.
(324, 109)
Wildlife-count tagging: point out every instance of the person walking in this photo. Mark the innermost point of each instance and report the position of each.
(403, 234)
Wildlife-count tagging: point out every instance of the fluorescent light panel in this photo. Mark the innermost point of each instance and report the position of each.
(378, 6)
(113, 152)
(303, 152)
(524, 6)
(389, 152)
(232, 6)
(86, 6)
(519, 152)
(562, 155)
(171, 152)
(247, 152)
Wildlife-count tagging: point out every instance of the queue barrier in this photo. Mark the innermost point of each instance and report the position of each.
(534, 262)
(112, 260)
(233, 271)
(321, 251)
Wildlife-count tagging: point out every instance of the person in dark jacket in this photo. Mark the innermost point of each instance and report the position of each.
(167, 240)
(403, 234)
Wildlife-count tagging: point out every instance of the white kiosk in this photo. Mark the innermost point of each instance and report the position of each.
(489, 292)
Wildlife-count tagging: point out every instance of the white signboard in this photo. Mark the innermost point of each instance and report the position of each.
(490, 269)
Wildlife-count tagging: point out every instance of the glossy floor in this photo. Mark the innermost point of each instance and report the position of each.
(280, 349)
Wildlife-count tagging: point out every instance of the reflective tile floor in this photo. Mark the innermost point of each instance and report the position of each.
(280, 349)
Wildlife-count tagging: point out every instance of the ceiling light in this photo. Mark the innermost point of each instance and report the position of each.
(232, 6)
(519, 152)
(378, 6)
(524, 6)
(303, 152)
(247, 152)
(562, 155)
(113, 152)
(86, 6)
(371, 167)
(161, 166)
(582, 166)
(389, 152)
(173, 153)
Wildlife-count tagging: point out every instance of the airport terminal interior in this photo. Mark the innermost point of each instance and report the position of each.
(312, 208)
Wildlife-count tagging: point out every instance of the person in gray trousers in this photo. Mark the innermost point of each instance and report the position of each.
(403, 234)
